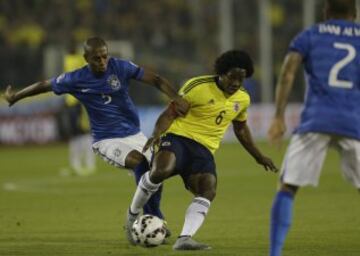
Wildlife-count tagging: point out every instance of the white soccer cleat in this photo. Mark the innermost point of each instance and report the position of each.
(186, 243)
(130, 219)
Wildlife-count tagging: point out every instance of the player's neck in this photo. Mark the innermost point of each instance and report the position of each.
(97, 74)
(220, 86)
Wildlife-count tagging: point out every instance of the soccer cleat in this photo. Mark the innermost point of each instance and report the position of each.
(187, 243)
(130, 219)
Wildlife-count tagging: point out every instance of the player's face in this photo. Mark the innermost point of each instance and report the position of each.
(233, 80)
(97, 59)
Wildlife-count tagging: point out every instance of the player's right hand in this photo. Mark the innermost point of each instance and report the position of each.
(9, 95)
(276, 131)
(151, 142)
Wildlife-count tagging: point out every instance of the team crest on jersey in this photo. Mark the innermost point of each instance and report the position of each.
(211, 102)
(236, 106)
(114, 82)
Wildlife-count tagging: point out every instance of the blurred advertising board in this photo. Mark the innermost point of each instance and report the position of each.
(38, 123)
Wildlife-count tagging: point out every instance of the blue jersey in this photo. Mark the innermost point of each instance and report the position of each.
(331, 56)
(106, 98)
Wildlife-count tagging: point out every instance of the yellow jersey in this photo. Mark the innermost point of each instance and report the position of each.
(73, 61)
(211, 112)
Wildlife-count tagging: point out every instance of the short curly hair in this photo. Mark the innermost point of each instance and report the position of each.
(234, 59)
(341, 7)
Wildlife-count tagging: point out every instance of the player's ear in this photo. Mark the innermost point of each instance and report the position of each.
(243, 73)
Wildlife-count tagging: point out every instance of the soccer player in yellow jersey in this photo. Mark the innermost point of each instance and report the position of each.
(81, 157)
(188, 143)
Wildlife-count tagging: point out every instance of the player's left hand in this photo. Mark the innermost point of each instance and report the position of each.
(181, 106)
(151, 142)
(267, 163)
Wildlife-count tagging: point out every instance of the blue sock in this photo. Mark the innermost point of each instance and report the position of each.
(153, 205)
(281, 217)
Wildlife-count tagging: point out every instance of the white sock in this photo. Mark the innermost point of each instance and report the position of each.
(143, 192)
(195, 216)
(74, 153)
(89, 155)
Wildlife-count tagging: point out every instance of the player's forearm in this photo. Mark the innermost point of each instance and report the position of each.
(164, 86)
(31, 90)
(286, 81)
(243, 134)
(159, 82)
(283, 89)
(164, 122)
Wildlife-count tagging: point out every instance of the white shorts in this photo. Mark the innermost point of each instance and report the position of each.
(115, 150)
(306, 153)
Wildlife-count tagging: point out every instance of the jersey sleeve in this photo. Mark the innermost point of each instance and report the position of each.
(301, 43)
(186, 92)
(133, 71)
(62, 84)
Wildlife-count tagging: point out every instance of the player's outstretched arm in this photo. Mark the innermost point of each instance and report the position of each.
(12, 96)
(243, 134)
(286, 79)
(164, 86)
(162, 124)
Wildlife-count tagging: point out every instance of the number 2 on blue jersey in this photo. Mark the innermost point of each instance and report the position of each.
(333, 75)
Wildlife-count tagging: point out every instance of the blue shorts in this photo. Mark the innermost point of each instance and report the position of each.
(191, 156)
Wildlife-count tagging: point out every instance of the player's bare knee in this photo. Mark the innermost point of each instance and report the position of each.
(158, 175)
(209, 194)
(133, 159)
(289, 188)
(163, 166)
(160, 172)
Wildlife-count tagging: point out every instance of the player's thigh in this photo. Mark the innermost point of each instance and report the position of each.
(115, 151)
(304, 159)
(163, 166)
(168, 158)
(349, 150)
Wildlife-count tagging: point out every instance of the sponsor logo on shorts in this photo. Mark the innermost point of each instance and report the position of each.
(166, 143)
(117, 152)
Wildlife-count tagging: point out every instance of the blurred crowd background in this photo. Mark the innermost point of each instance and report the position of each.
(176, 38)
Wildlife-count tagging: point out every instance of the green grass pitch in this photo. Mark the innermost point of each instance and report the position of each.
(42, 213)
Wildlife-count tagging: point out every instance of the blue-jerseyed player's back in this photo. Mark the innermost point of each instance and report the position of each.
(333, 93)
(330, 53)
(106, 98)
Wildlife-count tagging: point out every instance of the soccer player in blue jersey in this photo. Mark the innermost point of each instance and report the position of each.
(330, 53)
(102, 87)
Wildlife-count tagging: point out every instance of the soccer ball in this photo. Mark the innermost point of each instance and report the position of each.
(148, 231)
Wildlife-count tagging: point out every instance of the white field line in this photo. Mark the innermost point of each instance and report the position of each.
(54, 184)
